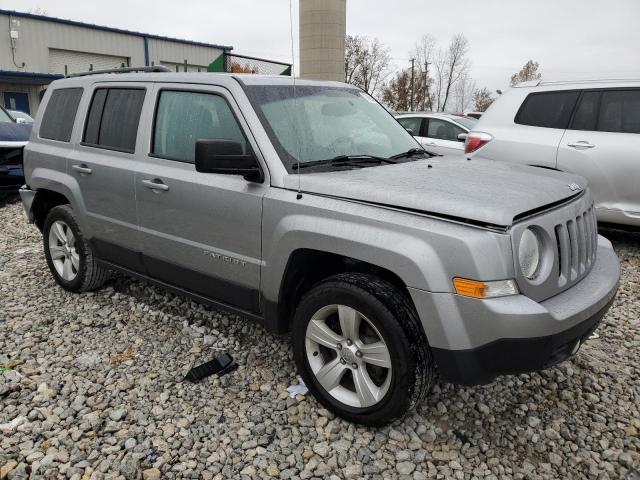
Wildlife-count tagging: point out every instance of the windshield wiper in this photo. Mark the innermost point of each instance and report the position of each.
(344, 160)
(410, 153)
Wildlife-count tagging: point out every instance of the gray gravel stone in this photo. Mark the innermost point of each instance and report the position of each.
(97, 378)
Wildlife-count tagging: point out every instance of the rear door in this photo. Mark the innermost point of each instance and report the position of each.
(532, 134)
(201, 231)
(103, 165)
(603, 144)
(441, 137)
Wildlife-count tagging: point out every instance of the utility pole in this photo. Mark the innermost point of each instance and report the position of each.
(413, 61)
(426, 86)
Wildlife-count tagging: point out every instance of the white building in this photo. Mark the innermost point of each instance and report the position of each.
(36, 50)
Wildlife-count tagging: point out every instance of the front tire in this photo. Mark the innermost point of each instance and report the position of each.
(361, 349)
(68, 253)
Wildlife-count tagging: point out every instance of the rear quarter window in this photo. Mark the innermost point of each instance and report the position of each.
(620, 111)
(547, 109)
(60, 113)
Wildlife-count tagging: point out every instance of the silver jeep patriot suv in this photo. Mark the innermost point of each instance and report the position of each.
(308, 208)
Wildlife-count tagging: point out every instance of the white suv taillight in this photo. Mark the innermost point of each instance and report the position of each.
(475, 140)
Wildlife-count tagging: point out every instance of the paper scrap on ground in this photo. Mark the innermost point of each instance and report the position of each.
(300, 389)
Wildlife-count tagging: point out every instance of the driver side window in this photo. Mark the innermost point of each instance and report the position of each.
(183, 118)
(443, 130)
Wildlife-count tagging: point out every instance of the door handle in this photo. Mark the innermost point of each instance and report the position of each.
(156, 184)
(581, 144)
(82, 169)
(431, 144)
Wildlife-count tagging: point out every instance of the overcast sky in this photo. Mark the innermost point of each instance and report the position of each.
(570, 38)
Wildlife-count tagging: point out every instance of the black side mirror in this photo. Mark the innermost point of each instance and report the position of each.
(226, 157)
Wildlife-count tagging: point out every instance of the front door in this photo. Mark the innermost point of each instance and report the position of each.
(103, 166)
(17, 101)
(602, 145)
(200, 231)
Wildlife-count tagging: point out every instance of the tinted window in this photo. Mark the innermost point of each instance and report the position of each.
(620, 111)
(113, 118)
(548, 109)
(60, 113)
(182, 118)
(586, 116)
(412, 124)
(443, 130)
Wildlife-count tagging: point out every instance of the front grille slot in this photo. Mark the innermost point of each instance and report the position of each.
(576, 243)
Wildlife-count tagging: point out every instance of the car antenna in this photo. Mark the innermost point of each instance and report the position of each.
(295, 110)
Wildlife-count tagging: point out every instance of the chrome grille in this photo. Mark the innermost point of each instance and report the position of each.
(576, 241)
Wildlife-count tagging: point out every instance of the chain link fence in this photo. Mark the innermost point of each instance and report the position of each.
(242, 64)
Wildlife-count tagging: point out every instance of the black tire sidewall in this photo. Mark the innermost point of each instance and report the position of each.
(396, 401)
(64, 213)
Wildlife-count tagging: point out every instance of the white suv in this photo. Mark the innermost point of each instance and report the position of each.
(590, 127)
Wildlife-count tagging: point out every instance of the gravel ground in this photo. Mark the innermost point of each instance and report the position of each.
(97, 380)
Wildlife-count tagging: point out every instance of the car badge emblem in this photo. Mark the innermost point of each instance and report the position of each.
(573, 186)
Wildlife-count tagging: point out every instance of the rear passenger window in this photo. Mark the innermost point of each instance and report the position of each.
(113, 118)
(182, 118)
(60, 113)
(548, 109)
(443, 130)
(586, 116)
(620, 111)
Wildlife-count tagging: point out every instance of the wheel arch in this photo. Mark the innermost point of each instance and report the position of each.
(305, 268)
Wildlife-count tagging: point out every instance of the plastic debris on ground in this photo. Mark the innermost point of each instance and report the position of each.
(300, 389)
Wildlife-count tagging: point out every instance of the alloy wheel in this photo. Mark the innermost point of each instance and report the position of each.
(62, 249)
(348, 356)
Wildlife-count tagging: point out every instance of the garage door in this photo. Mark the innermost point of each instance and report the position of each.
(82, 61)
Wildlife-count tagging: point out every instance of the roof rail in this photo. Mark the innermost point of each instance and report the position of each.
(156, 68)
(590, 80)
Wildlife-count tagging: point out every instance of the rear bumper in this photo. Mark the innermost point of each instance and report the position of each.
(473, 341)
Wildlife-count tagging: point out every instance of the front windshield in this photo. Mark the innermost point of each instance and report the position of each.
(466, 122)
(324, 122)
(5, 117)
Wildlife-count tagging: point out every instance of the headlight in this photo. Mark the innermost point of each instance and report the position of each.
(529, 253)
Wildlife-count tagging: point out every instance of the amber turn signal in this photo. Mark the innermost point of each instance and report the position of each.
(477, 289)
(469, 288)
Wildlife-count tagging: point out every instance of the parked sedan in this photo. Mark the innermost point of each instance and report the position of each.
(13, 138)
(441, 133)
(21, 117)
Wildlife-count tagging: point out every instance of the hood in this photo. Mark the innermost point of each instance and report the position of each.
(479, 191)
(14, 132)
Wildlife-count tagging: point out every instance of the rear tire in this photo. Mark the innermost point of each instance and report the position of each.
(69, 254)
(374, 372)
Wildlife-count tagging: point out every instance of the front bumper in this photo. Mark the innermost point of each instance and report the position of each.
(473, 341)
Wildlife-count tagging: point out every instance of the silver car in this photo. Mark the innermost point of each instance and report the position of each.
(440, 133)
(591, 128)
(307, 208)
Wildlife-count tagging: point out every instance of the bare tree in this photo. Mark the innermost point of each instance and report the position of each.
(463, 92)
(528, 72)
(424, 53)
(482, 99)
(455, 66)
(367, 63)
(37, 11)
